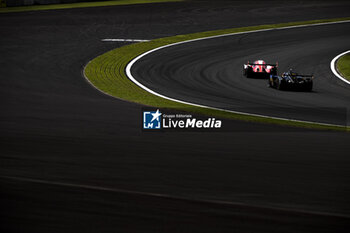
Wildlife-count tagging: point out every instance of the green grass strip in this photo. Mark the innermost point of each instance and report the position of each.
(343, 66)
(80, 5)
(107, 73)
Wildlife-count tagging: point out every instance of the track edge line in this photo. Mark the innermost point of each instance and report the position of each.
(335, 70)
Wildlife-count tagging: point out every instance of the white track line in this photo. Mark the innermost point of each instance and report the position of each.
(123, 40)
(334, 69)
(171, 197)
(132, 62)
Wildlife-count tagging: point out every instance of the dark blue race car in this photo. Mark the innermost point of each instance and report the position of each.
(291, 81)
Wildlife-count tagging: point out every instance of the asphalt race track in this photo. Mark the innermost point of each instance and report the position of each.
(209, 72)
(75, 160)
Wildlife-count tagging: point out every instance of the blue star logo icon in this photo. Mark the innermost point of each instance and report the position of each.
(151, 120)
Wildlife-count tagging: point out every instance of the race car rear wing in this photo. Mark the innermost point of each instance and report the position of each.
(275, 65)
(308, 76)
(305, 75)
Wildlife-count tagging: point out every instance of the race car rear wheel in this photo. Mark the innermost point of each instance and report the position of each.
(249, 72)
(308, 87)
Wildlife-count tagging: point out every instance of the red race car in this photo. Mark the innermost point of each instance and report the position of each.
(259, 68)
